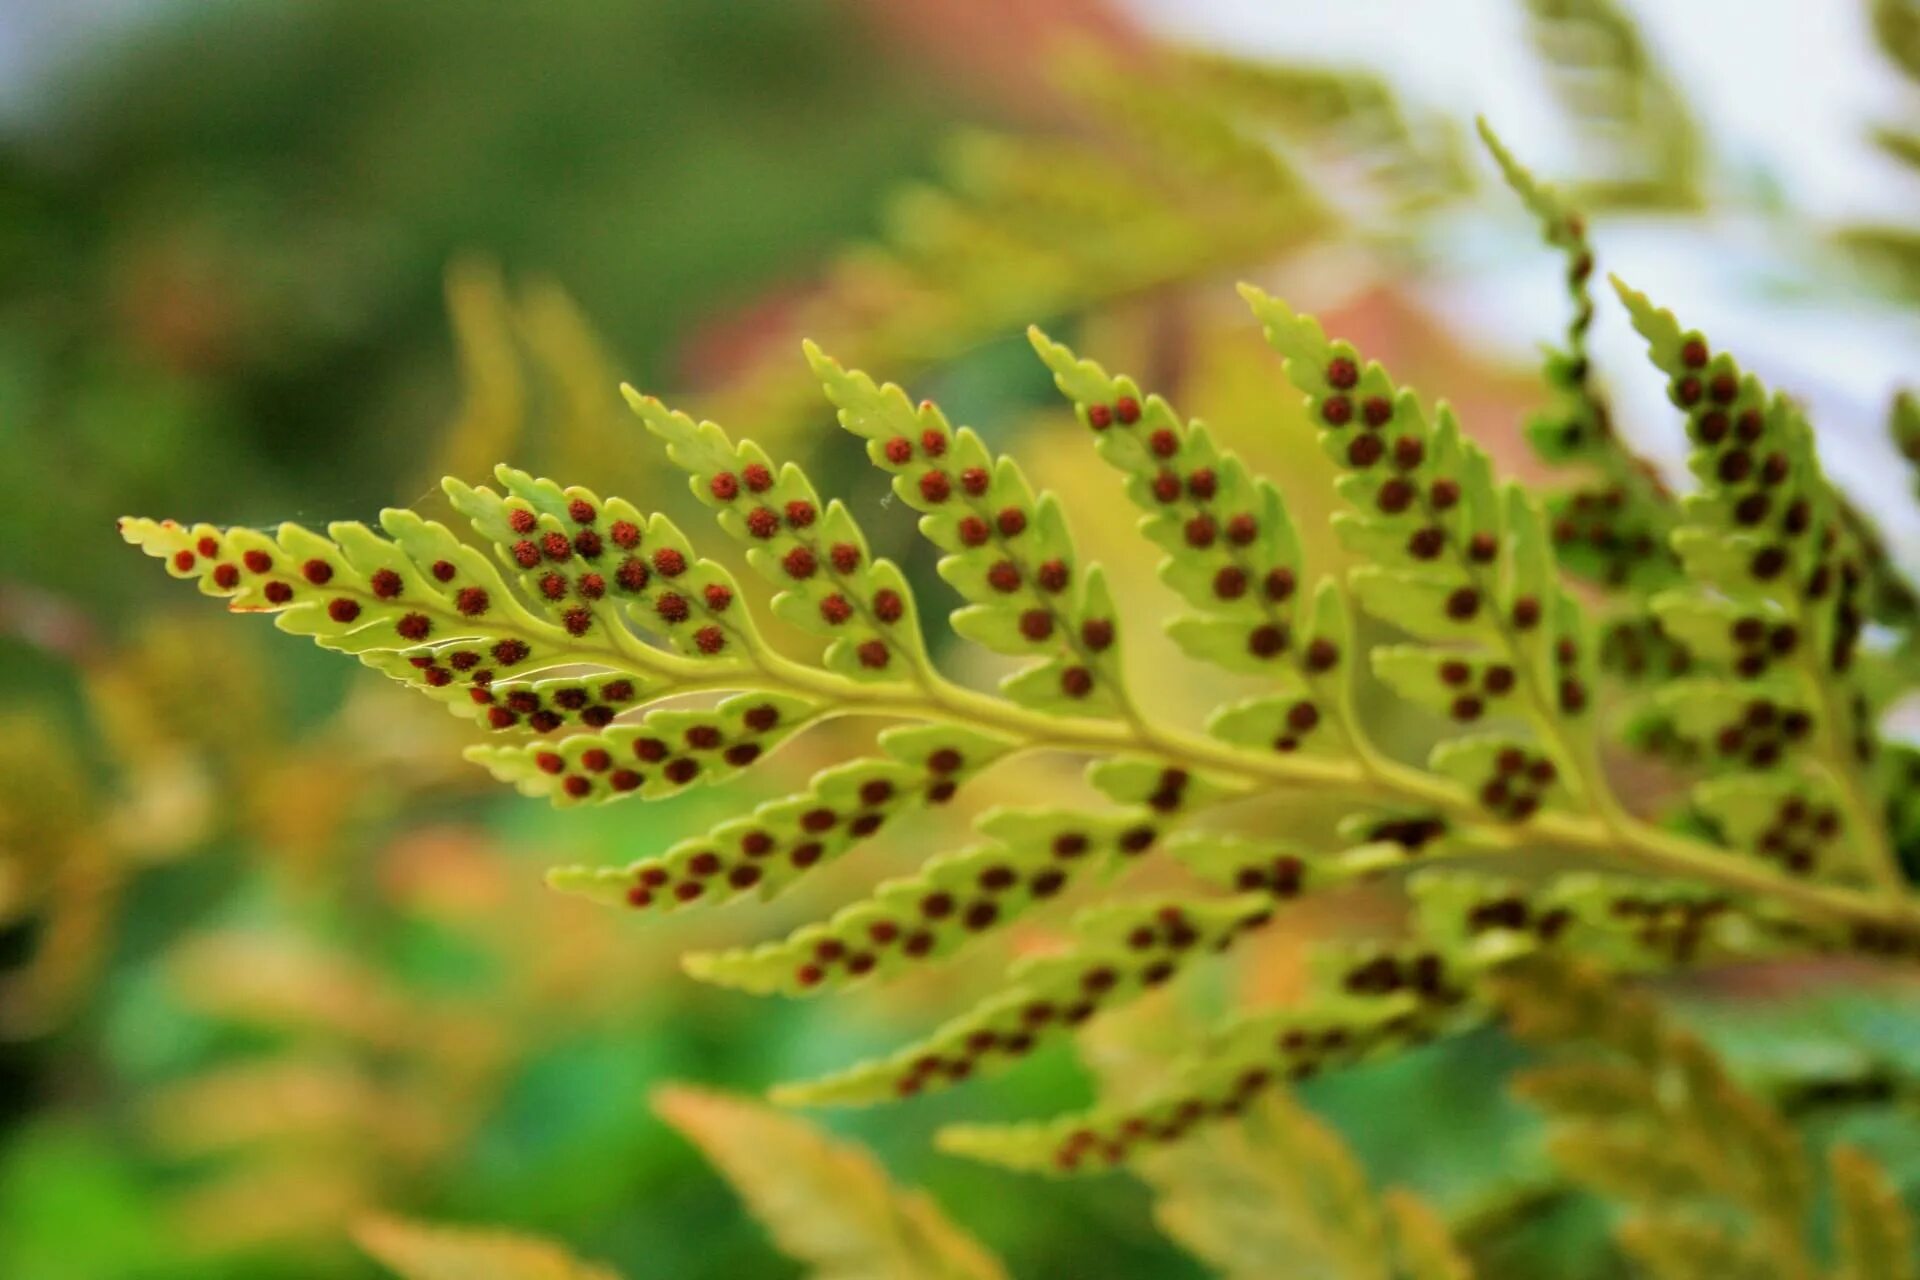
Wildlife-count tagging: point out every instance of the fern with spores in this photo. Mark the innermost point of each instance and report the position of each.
(567, 620)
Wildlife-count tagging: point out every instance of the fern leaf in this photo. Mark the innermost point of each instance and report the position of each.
(1171, 185)
(615, 612)
(1033, 855)
(826, 1204)
(590, 563)
(1366, 1002)
(663, 753)
(1349, 118)
(421, 594)
(414, 1251)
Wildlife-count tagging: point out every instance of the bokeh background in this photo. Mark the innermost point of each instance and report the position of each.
(273, 955)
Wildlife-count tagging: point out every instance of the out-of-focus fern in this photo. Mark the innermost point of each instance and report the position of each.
(197, 751)
(340, 1086)
(1891, 250)
(1903, 424)
(1344, 122)
(1896, 25)
(1187, 165)
(1622, 103)
(591, 614)
(537, 380)
(1284, 1196)
(1713, 1181)
(827, 1204)
(415, 1251)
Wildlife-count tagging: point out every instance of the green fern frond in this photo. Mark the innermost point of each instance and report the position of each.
(616, 613)
(1187, 163)
(1121, 951)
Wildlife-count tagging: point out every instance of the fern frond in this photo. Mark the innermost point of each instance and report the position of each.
(489, 422)
(826, 1204)
(1230, 547)
(1173, 183)
(617, 613)
(1456, 561)
(781, 839)
(1033, 855)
